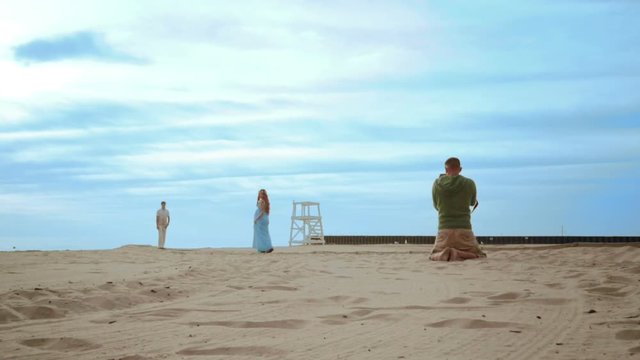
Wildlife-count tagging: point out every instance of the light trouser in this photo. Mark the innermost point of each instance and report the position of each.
(162, 234)
(456, 244)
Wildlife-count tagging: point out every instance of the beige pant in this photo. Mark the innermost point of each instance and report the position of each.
(456, 244)
(162, 234)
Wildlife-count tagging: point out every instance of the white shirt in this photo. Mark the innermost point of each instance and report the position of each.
(163, 216)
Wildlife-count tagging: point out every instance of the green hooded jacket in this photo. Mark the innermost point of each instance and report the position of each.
(452, 197)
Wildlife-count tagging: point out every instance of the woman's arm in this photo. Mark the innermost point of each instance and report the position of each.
(258, 217)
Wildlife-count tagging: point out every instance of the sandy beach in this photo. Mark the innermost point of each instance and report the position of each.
(321, 302)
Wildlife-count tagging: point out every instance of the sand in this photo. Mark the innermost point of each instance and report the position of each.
(321, 302)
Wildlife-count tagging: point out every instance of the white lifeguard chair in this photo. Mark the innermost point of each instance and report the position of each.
(306, 224)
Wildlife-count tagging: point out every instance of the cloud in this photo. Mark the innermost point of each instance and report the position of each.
(35, 203)
(198, 159)
(78, 45)
(34, 135)
(48, 154)
(11, 114)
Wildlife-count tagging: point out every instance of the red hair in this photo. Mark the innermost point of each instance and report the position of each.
(262, 194)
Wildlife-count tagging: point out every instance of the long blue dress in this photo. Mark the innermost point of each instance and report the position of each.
(261, 237)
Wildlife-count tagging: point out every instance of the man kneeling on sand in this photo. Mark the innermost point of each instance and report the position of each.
(453, 197)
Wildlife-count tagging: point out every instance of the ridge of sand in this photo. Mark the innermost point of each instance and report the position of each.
(321, 302)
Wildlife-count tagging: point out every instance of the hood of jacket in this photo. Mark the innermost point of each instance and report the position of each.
(449, 185)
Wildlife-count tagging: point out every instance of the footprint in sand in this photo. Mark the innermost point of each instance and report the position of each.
(478, 293)
(34, 294)
(634, 270)
(359, 316)
(254, 351)
(508, 296)
(274, 324)
(341, 319)
(615, 279)
(177, 312)
(617, 323)
(587, 283)
(386, 292)
(524, 297)
(473, 324)
(574, 275)
(40, 312)
(628, 335)
(634, 350)
(342, 299)
(457, 300)
(7, 316)
(548, 301)
(63, 344)
(606, 290)
(107, 286)
(555, 285)
(276, 287)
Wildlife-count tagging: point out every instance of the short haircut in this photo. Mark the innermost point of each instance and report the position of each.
(163, 203)
(452, 162)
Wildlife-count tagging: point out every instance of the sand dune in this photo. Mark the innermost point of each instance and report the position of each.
(321, 302)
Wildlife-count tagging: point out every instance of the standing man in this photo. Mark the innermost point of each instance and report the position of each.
(453, 197)
(162, 223)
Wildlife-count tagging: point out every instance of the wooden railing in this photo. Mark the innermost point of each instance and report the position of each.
(487, 240)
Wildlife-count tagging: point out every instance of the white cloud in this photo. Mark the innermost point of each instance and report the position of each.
(380, 185)
(31, 82)
(48, 153)
(247, 154)
(12, 114)
(34, 203)
(41, 134)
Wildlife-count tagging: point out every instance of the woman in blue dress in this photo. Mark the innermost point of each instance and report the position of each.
(261, 237)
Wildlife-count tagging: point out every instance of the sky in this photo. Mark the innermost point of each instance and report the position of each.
(109, 107)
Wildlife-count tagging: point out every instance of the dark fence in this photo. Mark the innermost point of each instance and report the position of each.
(487, 240)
